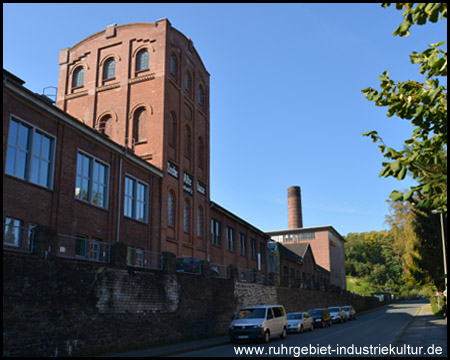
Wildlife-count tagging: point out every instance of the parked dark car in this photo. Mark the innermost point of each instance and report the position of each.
(321, 317)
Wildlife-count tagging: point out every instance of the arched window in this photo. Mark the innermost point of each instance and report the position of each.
(187, 141)
(173, 131)
(142, 60)
(140, 120)
(200, 153)
(201, 97)
(186, 216)
(188, 81)
(200, 222)
(109, 72)
(171, 209)
(105, 125)
(78, 77)
(174, 65)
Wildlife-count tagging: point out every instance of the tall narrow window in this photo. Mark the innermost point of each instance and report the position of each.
(41, 159)
(173, 65)
(170, 209)
(140, 125)
(215, 232)
(109, 71)
(201, 97)
(142, 60)
(230, 238)
(78, 77)
(243, 244)
(188, 82)
(186, 216)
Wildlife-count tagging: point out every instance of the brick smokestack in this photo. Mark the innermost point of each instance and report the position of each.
(295, 220)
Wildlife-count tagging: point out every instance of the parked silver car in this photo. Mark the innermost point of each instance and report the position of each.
(258, 322)
(337, 314)
(350, 312)
(299, 322)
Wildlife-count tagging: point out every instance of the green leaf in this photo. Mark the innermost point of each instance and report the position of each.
(396, 195)
(402, 173)
(408, 195)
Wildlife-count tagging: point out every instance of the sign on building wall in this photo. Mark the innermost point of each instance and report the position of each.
(188, 181)
(172, 170)
(201, 188)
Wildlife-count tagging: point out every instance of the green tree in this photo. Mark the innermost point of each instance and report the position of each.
(424, 156)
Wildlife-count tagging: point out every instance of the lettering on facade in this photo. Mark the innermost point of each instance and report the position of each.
(188, 181)
(201, 188)
(172, 170)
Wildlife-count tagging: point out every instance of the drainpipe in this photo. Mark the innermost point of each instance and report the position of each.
(119, 196)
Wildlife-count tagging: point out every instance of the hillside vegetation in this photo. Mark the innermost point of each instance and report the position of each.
(407, 258)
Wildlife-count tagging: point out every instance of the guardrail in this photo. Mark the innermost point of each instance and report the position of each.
(144, 259)
(76, 247)
(220, 271)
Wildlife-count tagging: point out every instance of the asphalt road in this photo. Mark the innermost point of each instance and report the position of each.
(369, 334)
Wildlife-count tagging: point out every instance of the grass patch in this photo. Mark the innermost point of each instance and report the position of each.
(361, 286)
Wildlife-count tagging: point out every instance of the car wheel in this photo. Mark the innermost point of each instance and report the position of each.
(266, 336)
(284, 333)
(301, 329)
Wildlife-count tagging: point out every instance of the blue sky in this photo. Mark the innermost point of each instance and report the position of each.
(286, 105)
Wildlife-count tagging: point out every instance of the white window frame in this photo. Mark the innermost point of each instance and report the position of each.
(135, 202)
(91, 180)
(30, 155)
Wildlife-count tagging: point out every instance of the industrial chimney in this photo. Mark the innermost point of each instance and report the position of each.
(295, 220)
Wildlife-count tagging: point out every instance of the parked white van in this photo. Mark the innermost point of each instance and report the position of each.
(258, 322)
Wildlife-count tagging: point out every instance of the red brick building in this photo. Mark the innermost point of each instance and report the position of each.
(145, 87)
(327, 245)
(124, 157)
(59, 173)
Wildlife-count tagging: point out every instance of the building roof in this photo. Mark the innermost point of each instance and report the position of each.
(284, 251)
(308, 229)
(241, 221)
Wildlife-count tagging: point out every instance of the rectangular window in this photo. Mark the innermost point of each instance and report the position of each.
(253, 249)
(215, 232)
(30, 154)
(242, 244)
(262, 250)
(13, 232)
(92, 180)
(230, 239)
(136, 199)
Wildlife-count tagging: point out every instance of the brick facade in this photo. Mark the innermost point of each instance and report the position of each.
(57, 206)
(326, 245)
(160, 112)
